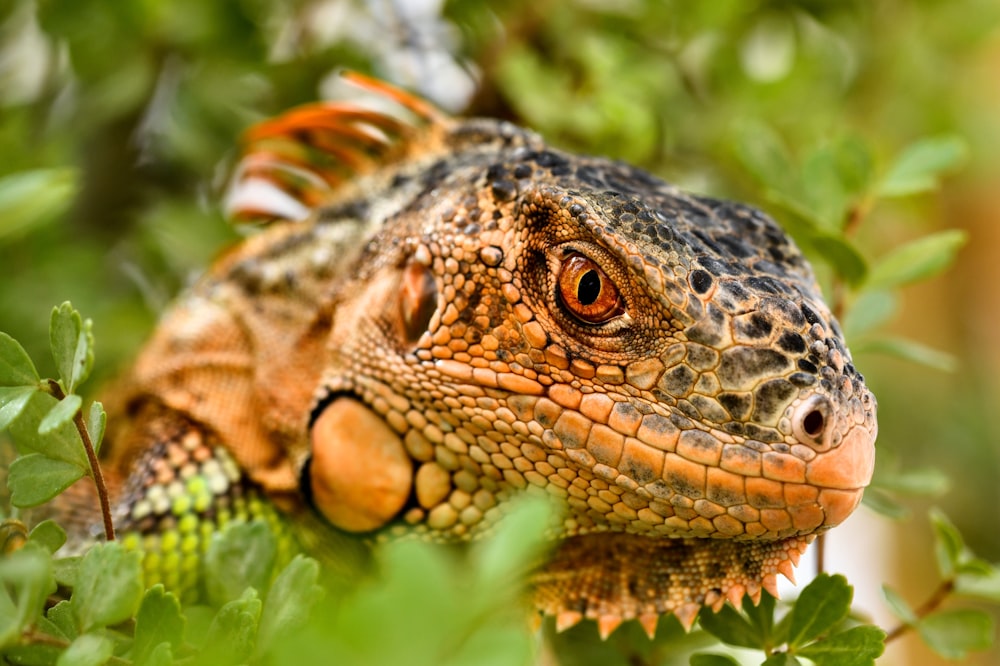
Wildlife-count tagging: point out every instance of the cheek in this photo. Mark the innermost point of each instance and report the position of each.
(360, 475)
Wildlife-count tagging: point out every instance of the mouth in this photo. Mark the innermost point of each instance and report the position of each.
(613, 577)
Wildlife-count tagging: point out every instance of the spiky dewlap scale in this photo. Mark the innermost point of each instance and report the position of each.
(443, 313)
(610, 578)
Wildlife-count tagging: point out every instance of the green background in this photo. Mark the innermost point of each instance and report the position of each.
(118, 121)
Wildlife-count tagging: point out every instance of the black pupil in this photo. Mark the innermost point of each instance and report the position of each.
(589, 287)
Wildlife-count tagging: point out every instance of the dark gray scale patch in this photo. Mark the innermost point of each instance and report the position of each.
(716, 267)
(771, 399)
(769, 285)
(678, 382)
(784, 310)
(755, 327)
(743, 366)
(771, 268)
(690, 410)
(708, 331)
(708, 242)
(731, 296)
(811, 315)
(802, 379)
(737, 247)
(702, 358)
(792, 342)
(591, 176)
(496, 171)
(737, 404)
(700, 281)
(504, 190)
(756, 432)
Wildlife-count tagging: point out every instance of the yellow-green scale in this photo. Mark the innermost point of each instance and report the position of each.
(202, 505)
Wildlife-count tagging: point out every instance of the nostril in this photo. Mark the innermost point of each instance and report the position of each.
(811, 421)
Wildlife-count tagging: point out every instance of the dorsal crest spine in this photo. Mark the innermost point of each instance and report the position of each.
(293, 163)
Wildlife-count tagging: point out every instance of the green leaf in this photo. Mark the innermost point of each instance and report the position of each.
(898, 606)
(158, 621)
(72, 343)
(47, 626)
(871, 309)
(62, 443)
(61, 616)
(34, 479)
(954, 633)
(16, 368)
(949, 546)
(97, 422)
(764, 154)
(855, 165)
(823, 604)
(917, 260)
(161, 655)
(61, 414)
(518, 542)
(29, 199)
(730, 627)
(827, 195)
(241, 556)
(289, 601)
(918, 482)
(858, 646)
(781, 659)
(842, 256)
(66, 569)
(909, 350)
(231, 635)
(49, 535)
(108, 587)
(12, 402)
(919, 166)
(25, 583)
(705, 659)
(881, 503)
(87, 650)
(980, 585)
(761, 617)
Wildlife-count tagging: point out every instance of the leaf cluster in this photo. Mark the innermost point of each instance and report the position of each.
(41, 414)
(814, 628)
(111, 617)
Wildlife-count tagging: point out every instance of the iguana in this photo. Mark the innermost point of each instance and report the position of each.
(441, 313)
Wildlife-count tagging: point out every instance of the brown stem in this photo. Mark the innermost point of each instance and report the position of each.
(820, 549)
(940, 594)
(95, 466)
(35, 637)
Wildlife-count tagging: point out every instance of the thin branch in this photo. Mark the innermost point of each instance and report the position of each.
(820, 549)
(940, 594)
(95, 466)
(35, 637)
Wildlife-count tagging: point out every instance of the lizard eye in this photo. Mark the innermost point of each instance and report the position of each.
(587, 291)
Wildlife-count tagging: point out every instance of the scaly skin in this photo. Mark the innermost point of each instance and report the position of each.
(469, 313)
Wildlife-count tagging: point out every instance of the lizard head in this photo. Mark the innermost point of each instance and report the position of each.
(662, 363)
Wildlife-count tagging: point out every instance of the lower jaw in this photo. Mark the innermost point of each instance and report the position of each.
(612, 577)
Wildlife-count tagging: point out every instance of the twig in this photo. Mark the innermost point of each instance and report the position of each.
(95, 467)
(35, 637)
(820, 549)
(940, 594)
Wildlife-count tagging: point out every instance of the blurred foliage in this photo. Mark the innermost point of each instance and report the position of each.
(117, 121)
